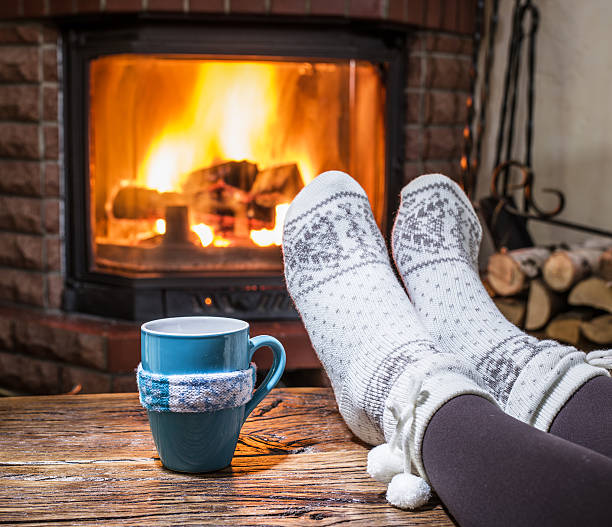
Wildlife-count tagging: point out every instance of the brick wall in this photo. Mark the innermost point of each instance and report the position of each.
(30, 190)
(445, 15)
(42, 349)
(46, 353)
(437, 90)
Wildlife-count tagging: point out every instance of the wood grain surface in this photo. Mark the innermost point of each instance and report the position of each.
(90, 459)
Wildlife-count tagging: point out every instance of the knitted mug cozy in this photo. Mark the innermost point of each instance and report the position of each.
(196, 392)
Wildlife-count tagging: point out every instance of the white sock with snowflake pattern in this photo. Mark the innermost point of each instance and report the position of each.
(379, 358)
(435, 242)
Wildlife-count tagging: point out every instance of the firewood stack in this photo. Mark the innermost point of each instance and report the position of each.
(563, 294)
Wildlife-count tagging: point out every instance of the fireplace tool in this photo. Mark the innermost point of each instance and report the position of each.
(507, 221)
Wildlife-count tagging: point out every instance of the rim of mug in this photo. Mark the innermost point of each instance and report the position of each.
(243, 325)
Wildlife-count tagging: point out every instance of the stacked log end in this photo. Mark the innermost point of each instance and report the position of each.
(593, 292)
(605, 265)
(509, 272)
(564, 268)
(542, 305)
(563, 293)
(598, 330)
(566, 327)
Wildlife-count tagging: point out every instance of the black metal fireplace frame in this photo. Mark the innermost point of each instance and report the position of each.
(254, 296)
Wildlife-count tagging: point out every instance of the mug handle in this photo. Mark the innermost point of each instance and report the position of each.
(278, 366)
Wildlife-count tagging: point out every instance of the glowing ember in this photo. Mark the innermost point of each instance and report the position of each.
(160, 226)
(266, 237)
(221, 242)
(205, 233)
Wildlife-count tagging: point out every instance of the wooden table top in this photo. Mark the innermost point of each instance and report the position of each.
(90, 459)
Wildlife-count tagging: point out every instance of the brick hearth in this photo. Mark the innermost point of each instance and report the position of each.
(52, 353)
(46, 350)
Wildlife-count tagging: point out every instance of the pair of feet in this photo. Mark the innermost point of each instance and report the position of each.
(394, 360)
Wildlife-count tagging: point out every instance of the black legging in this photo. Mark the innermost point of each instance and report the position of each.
(490, 469)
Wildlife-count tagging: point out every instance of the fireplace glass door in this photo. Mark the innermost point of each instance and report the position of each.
(193, 160)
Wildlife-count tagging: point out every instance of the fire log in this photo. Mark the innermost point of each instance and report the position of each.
(542, 305)
(564, 268)
(508, 270)
(237, 174)
(276, 185)
(605, 265)
(566, 327)
(593, 292)
(140, 203)
(177, 226)
(512, 308)
(598, 330)
(136, 203)
(234, 189)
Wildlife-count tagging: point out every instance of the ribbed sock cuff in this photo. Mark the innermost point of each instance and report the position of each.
(540, 403)
(437, 389)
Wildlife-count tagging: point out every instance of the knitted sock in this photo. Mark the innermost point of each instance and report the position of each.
(387, 376)
(435, 246)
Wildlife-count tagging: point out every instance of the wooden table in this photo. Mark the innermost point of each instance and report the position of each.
(90, 459)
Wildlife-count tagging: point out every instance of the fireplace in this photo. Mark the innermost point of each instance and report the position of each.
(74, 284)
(186, 147)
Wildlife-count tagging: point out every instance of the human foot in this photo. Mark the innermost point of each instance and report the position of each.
(435, 243)
(388, 376)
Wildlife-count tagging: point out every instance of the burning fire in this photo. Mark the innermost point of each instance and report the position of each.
(266, 237)
(206, 234)
(215, 149)
(233, 114)
(160, 226)
(239, 125)
(221, 242)
(260, 237)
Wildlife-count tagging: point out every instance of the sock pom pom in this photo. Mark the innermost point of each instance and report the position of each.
(384, 463)
(408, 491)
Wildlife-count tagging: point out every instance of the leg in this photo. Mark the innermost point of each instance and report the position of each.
(363, 327)
(491, 469)
(586, 418)
(435, 246)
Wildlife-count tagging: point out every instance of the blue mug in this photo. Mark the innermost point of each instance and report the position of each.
(203, 441)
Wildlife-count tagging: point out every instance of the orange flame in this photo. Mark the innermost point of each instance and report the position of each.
(207, 235)
(266, 237)
(160, 226)
(221, 242)
(237, 126)
(157, 121)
